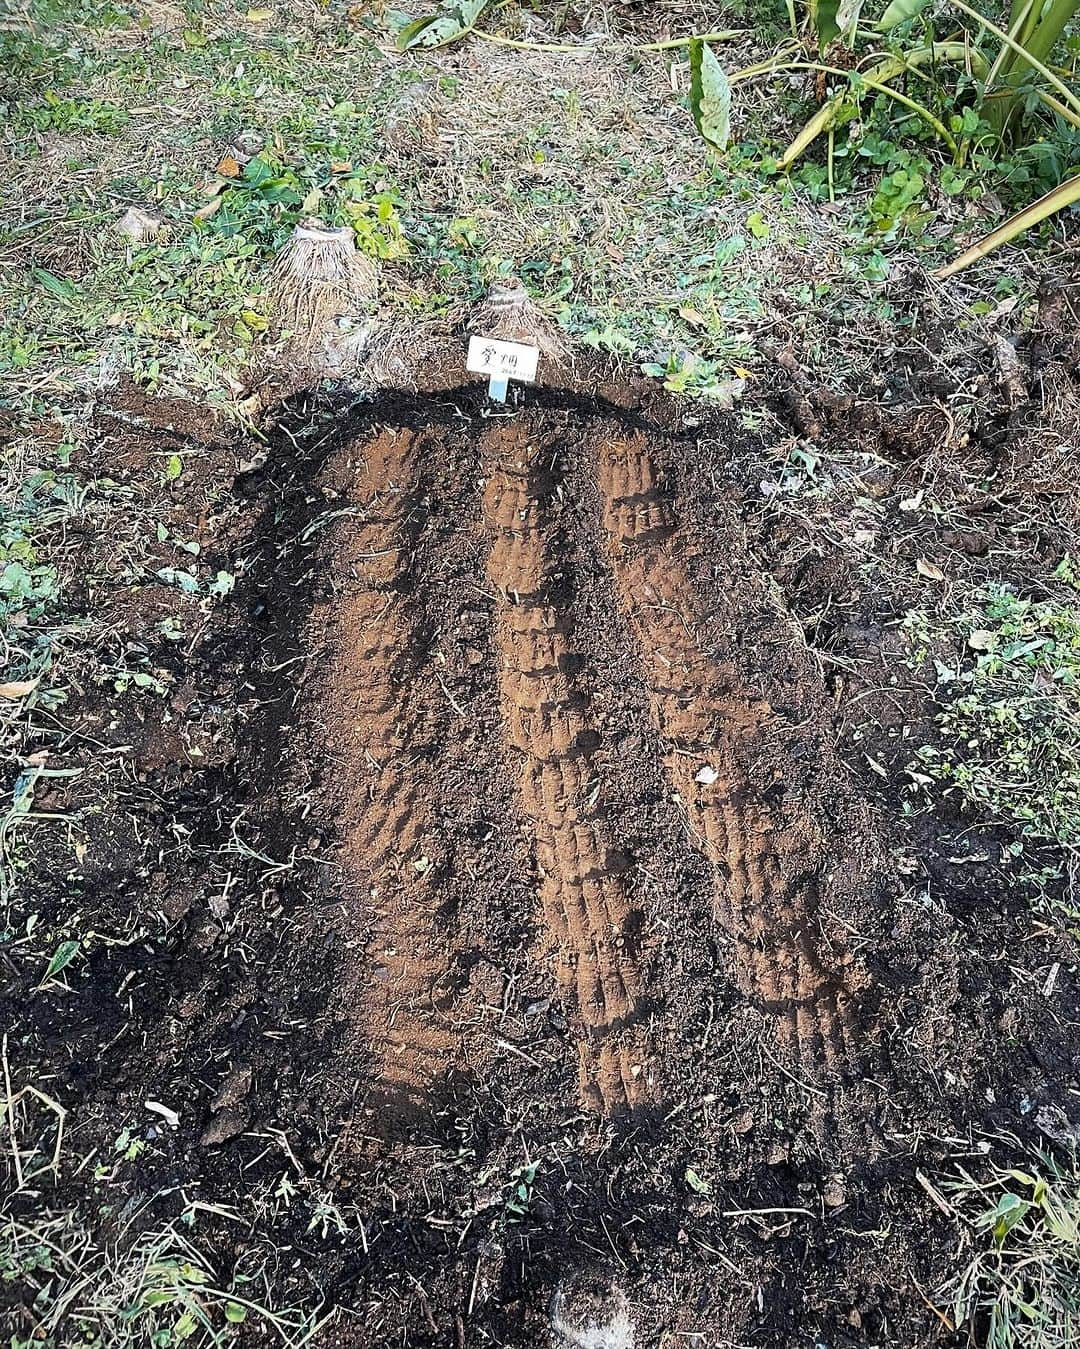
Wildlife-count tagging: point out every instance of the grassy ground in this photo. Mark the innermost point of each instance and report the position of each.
(581, 172)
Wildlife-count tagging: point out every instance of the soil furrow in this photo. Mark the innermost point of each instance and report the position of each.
(764, 892)
(550, 731)
(375, 715)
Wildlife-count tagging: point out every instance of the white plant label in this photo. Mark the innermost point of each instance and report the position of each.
(502, 360)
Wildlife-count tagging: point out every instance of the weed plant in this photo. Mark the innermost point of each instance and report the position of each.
(1010, 723)
(1021, 1288)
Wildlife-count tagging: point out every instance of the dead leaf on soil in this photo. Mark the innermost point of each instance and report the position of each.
(225, 1125)
(18, 689)
(211, 208)
(929, 570)
(234, 1089)
(1003, 309)
(227, 167)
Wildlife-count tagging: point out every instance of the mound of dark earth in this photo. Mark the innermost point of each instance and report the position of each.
(560, 948)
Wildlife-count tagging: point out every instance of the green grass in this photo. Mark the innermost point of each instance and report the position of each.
(1009, 724)
(1020, 1288)
(600, 196)
(95, 1277)
(145, 1289)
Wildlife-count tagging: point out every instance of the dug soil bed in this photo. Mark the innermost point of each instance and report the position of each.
(493, 873)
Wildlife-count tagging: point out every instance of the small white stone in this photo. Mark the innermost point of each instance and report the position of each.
(168, 1115)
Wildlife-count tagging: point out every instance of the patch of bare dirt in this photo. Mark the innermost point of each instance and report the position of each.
(525, 913)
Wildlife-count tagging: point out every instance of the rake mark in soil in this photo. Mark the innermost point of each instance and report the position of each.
(550, 731)
(764, 886)
(449, 870)
(376, 715)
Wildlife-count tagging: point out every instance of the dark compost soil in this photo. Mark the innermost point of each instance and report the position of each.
(494, 869)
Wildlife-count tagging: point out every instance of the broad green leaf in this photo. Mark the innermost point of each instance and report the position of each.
(185, 1327)
(257, 172)
(234, 1313)
(823, 18)
(1010, 1209)
(55, 285)
(710, 96)
(695, 1182)
(172, 576)
(1059, 199)
(446, 25)
(898, 12)
(62, 957)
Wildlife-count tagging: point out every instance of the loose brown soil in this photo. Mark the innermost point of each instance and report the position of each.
(490, 871)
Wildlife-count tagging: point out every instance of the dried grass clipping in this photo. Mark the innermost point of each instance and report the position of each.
(510, 315)
(405, 347)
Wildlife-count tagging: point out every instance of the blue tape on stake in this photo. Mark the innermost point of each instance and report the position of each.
(497, 389)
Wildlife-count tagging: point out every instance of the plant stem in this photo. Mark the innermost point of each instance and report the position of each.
(1056, 106)
(1021, 9)
(725, 36)
(669, 45)
(521, 45)
(1055, 20)
(1059, 199)
(880, 87)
